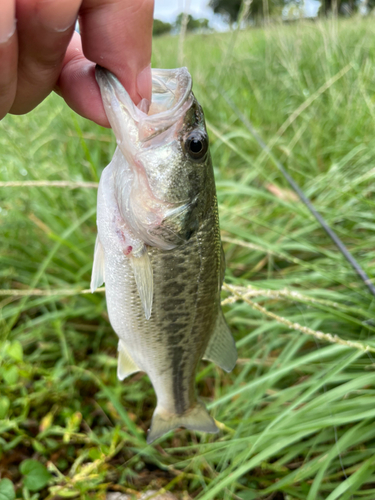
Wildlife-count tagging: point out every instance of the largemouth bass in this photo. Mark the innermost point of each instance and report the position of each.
(158, 247)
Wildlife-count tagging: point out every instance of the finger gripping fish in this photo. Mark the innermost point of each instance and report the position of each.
(158, 247)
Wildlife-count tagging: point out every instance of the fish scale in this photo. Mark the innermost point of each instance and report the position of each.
(158, 248)
(180, 334)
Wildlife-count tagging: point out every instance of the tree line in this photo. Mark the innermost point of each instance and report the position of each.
(192, 24)
(258, 11)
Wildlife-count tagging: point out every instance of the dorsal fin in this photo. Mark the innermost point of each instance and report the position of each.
(221, 348)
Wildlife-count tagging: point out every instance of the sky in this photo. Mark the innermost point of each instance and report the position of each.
(167, 10)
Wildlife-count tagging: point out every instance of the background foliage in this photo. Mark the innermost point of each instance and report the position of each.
(297, 413)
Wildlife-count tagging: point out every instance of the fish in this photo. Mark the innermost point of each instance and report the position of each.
(158, 246)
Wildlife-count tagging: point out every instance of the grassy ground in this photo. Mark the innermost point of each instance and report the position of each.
(297, 413)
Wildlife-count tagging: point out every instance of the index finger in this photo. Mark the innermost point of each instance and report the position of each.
(117, 34)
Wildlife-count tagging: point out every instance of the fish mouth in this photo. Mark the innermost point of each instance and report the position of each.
(171, 88)
(151, 217)
(171, 97)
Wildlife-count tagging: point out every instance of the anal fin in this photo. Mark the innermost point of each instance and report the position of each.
(125, 366)
(97, 276)
(221, 348)
(142, 270)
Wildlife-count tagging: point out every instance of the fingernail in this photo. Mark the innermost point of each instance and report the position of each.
(7, 20)
(144, 83)
(144, 105)
(58, 19)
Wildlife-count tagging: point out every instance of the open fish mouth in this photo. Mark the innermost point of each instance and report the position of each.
(170, 90)
(152, 168)
(171, 97)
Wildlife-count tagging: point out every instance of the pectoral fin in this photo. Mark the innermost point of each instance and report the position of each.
(221, 348)
(144, 278)
(97, 276)
(125, 365)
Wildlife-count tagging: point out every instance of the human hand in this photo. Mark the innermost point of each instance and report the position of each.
(40, 52)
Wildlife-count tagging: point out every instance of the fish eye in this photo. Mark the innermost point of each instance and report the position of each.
(196, 145)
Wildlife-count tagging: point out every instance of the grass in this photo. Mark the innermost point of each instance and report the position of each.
(297, 413)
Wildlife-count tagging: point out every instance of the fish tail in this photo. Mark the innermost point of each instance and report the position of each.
(195, 418)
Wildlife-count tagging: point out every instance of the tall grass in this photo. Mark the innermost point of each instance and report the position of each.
(297, 414)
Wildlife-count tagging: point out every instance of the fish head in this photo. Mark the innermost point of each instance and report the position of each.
(161, 186)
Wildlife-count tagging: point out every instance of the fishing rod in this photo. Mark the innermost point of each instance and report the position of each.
(331, 233)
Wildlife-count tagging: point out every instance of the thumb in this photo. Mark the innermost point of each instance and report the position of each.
(117, 34)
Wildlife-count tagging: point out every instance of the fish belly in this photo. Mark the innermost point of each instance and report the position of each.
(168, 346)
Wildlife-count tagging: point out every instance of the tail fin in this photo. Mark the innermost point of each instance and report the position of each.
(195, 418)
